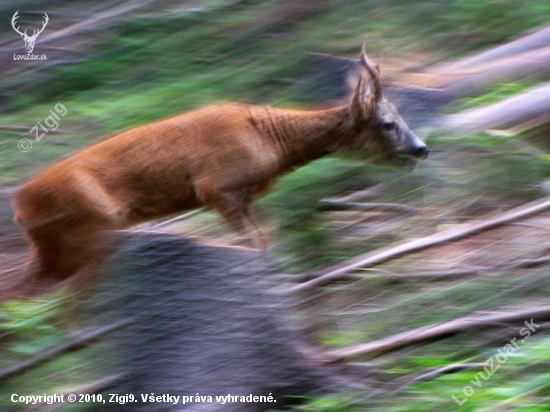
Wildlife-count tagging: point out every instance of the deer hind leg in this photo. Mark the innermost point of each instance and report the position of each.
(58, 252)
(49, 259)
(66, 236)
(44, 257)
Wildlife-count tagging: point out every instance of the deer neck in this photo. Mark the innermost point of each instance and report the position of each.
(303, 136)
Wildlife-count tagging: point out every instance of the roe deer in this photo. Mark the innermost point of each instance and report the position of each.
(220, 157)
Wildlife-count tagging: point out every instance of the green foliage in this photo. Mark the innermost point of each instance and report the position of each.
(30, 325)
(496, 94)
(144, 69)
(507, 173)
(500, 391)
(304, 242)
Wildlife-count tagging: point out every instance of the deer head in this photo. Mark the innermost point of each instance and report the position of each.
(379, 125)
(29, 40)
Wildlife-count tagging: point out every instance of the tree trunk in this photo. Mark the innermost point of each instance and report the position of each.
(202, 326)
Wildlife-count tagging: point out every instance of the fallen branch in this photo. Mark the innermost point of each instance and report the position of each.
(439, 331)
(380, 256)
(510, 112)
(370, 192)
(474, 80)
(76, 343)
(530, 42)
(435, 373)
(522, 127)
(453, 275)
(450, 275)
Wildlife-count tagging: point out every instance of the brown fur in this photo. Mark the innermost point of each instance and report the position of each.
(220, 157)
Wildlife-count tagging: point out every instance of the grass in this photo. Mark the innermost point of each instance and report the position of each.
(146, 69)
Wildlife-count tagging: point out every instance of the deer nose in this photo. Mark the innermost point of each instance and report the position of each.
(422, 152)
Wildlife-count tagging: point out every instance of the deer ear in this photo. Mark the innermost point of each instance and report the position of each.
(362, 100)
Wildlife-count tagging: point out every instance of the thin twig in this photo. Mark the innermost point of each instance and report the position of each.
(437, 331)
(383, 255)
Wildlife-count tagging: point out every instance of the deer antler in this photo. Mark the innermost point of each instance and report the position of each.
(13, 19)
(374, 74)
(35, 32)
(43, 25)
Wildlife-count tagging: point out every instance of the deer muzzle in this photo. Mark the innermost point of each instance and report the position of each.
(408, 157)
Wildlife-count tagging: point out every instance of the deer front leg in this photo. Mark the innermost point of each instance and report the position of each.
(259, 240)
(235, 209)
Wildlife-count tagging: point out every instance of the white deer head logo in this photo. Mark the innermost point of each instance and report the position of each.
(29, 40)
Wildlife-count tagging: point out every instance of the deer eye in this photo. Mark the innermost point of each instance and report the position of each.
(389, 126)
